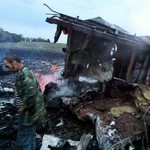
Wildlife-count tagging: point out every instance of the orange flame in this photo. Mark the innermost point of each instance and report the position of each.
(53, 68)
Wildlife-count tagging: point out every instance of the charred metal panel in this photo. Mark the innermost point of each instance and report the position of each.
(127, 39)
(88, 36)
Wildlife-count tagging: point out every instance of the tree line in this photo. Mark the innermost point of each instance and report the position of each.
(5, 36)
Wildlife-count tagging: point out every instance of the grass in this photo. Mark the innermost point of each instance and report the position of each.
(34, 46)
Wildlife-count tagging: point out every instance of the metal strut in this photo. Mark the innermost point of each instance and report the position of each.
(51, 9)
(145, 128)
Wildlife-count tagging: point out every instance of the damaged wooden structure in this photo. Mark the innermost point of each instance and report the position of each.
(118, 103)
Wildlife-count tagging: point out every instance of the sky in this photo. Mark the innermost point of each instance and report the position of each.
(27, 17)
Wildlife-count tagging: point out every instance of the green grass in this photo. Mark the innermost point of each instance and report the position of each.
(35, 46)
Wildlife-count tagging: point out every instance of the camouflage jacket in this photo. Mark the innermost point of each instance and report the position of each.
(31, 95)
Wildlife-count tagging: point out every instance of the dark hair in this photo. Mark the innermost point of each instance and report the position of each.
(11, 57)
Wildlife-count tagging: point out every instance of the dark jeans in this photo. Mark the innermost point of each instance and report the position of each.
(25, 136)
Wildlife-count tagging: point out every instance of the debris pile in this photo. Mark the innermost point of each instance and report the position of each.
(108, 70)
(113, 119)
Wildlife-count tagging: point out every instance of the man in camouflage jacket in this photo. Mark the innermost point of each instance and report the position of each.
(31, 108)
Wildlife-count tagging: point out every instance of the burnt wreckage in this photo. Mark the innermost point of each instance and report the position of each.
(113, 66)
(106, 100)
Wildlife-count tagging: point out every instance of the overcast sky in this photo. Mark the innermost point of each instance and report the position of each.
(27, 17)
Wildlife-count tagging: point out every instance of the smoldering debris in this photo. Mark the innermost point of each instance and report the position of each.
(87, 108)
(52, 142)
(8, 125)
(94, 112)
(106, 114)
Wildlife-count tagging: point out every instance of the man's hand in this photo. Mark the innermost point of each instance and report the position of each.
(21, 109)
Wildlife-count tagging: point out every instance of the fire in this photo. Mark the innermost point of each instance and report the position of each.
(45, 79)
(53, 68)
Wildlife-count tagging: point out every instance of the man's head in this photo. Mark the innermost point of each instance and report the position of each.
(12, 63)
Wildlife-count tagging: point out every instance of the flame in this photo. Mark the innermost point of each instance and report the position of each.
(53, 68)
